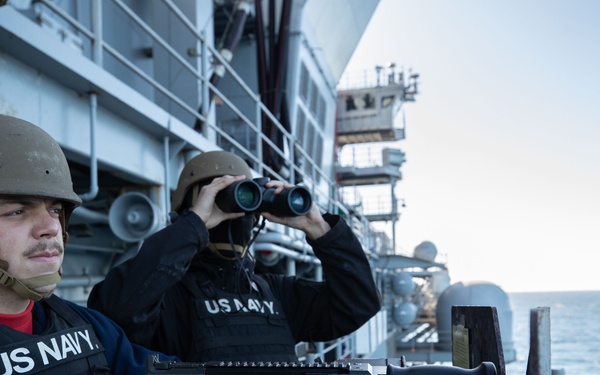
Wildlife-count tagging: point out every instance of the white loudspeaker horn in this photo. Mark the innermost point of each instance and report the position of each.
(133, 217)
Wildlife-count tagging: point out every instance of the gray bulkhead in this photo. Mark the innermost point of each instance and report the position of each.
(123, 86)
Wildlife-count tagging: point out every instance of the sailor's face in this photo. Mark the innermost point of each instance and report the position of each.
(31, 236)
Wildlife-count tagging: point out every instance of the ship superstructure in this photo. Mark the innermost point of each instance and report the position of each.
(133, 89)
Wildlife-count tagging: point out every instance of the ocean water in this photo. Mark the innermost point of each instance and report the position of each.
(574, 330)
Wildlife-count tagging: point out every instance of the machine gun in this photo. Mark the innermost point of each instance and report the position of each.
(346, 366)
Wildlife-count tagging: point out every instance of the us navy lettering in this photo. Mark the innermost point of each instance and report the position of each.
(234, 305)
(40, 352)
(69, 345)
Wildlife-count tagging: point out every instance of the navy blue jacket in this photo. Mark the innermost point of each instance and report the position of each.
(123, 356)
(146, 296)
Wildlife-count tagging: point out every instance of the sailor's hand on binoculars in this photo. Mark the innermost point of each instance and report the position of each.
(205, 206)
(278, 186)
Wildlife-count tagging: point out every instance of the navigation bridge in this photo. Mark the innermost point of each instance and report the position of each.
(369, 114)
(368, 111)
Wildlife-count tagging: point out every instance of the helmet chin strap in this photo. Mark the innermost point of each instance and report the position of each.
(25, 288)
(221, 249)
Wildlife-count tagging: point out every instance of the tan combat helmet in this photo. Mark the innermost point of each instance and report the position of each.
(207, 166)
(204, 168)
(33, 164)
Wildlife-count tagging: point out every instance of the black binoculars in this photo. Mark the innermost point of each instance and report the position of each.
(251, 196)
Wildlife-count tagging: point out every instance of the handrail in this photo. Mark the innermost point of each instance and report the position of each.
(293, 146)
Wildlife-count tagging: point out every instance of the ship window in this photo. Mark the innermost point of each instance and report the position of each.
(314, 147)
(310, 122)
(368, 101)
(350, 103)
(321, 112)
(314, 97)
(304, 82)
(386, 101)
(318, 151)
(300, 121)
(308, 141)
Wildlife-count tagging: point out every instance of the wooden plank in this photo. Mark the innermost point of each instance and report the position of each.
(476, 337)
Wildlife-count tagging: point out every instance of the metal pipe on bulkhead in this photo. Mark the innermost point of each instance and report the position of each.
(97, 31)
(91, 194)
(167, 187)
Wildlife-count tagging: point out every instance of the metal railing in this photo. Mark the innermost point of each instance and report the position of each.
(208, 57)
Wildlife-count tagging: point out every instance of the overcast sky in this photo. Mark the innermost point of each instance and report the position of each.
(503, 142)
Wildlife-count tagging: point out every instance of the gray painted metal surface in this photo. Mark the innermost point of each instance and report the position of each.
(123, 87)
